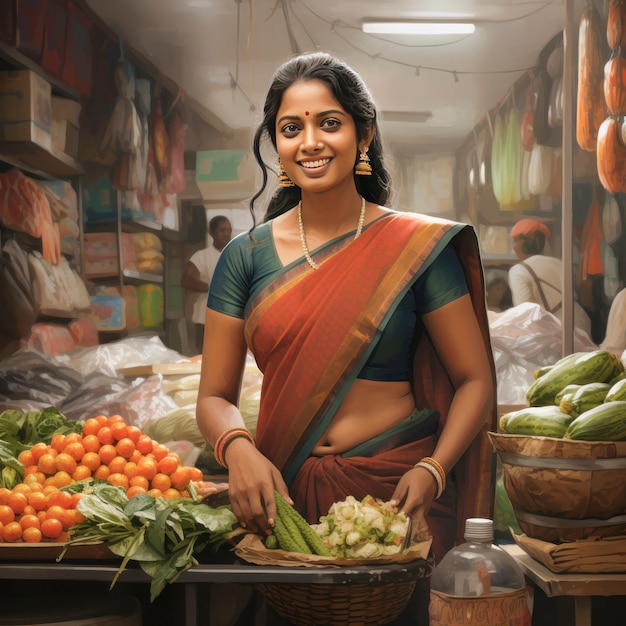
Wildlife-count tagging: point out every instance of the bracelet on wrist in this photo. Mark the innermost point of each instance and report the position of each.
(436, 471)
(225, 439)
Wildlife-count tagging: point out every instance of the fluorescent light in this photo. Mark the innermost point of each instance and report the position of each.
(418, 28)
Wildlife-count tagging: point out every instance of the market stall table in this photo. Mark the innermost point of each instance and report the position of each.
(234, 571)
(579, 587)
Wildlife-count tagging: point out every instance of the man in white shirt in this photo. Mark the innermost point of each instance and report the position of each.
(199, 271)
(537, 278)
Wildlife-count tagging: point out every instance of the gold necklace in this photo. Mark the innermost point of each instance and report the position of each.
(305, 248)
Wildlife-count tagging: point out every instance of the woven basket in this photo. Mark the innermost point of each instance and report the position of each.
(338, 605)
(563, 490)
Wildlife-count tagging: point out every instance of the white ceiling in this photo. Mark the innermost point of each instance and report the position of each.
(223, 52)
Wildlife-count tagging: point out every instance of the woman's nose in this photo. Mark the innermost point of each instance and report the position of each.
(310, 139)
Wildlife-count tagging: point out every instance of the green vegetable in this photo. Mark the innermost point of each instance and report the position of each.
(162, 535)
(362, 529)
(617, 391)
(578, 368)
(567, 393)
(538, 421)
(584, 398)
(288, 537)
(21, 430)
(311, 538)
(606, 422)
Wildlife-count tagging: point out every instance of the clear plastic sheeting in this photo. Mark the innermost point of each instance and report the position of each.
(84, 382)
(524, 338)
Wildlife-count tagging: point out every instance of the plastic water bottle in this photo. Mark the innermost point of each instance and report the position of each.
(477, 583)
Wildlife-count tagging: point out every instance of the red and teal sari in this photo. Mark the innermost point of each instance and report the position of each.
(312, 332)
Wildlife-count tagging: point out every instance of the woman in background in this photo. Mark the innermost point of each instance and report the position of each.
(369, 326)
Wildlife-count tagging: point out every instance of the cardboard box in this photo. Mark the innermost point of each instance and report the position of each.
(25, 108)
(65, 125)
(101, 256)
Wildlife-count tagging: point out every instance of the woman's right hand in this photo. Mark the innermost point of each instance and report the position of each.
(252, 479)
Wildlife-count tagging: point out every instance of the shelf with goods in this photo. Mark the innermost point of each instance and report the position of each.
(112, 249)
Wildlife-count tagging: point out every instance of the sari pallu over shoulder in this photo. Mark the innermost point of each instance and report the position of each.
(312, 332)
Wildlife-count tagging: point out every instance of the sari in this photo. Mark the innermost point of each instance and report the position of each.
(312, 333)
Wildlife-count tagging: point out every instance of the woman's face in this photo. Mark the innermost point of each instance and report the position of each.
(315, 137)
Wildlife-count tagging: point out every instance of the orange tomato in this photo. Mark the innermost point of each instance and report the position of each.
(155, 493)
(169, 464)
(130, 469)
(38, 450)
(133, 433)
(17, 501)
(105, 435)
(102, 473)
(51, 527)
(91, 460)
(38, 500)
(25, 457)
(115, 418)
(119, 430)
(32, 535)
(12, 532)
(29, 521)
(171, 493)
(117, 465)
(125, 447)
(159, 450)
(144, 444)
(91, 426)
(161, 481)
(46, 463)
(91, 443)
(75, 449)
(7, 514)
(180, 478)
(82, 472)
(139, 481)
(118, 479)
(4, 494)
(65, 463)
(134, 490)
(195, 473)
(22, 488)
(147, 467)
(58, 442)
(107, 453)
(60, 498)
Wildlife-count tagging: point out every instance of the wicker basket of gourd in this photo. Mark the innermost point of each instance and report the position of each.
(563, 456)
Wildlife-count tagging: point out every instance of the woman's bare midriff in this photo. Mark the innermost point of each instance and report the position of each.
(369, 409)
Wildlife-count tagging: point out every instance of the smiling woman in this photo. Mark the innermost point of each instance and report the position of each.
(369, 326)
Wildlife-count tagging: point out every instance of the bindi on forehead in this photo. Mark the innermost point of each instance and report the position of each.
(306, 112)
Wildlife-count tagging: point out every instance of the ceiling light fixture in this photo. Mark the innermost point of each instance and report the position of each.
(418, 28)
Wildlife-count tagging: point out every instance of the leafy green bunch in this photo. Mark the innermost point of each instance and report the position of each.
(20, 430)
(363, 529)
(162, 535)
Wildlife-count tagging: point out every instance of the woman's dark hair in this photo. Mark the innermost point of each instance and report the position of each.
(533, 243)
(351, 92)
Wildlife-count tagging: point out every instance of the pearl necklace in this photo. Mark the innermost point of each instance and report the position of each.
(305, 248)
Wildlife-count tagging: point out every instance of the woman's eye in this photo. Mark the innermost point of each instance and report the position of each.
(289, 129)
(331, 124)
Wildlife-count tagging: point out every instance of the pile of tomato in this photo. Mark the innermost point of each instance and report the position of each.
(38, 509)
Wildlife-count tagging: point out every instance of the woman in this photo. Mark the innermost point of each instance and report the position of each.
(367, 324)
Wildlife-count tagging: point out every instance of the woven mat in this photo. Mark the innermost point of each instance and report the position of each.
(588, 556)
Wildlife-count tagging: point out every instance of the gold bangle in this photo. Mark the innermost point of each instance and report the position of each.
(435, 473)
(437, 466)
(225, 439)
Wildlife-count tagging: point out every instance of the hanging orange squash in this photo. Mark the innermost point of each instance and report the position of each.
(611, 156)
(590, 109)
(615, 84)
(616, 24)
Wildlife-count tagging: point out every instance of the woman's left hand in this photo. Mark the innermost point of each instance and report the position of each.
(414, 495)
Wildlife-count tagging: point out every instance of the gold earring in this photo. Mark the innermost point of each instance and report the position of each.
(363, 167)
(283, 179)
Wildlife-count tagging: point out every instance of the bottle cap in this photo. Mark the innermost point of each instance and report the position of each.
(479, 528)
